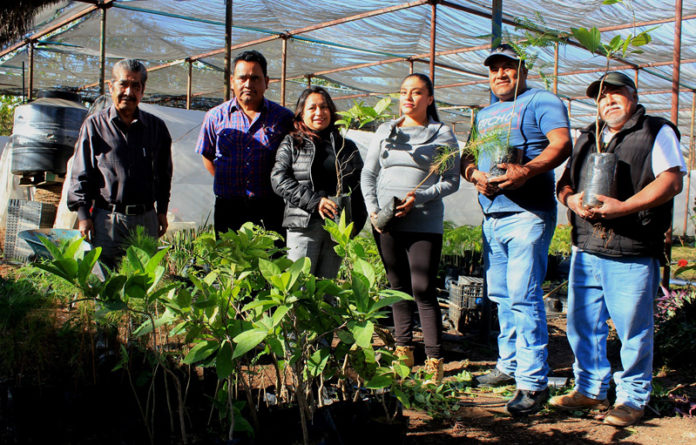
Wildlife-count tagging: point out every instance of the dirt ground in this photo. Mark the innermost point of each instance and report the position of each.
(483, 419)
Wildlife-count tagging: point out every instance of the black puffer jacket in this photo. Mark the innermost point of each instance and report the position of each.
(291, 178)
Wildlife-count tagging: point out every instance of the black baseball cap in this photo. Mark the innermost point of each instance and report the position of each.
(614, 78)
(503, 50)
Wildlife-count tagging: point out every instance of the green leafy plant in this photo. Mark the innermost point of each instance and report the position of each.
(561, 242)
(618, 46)
(458, 240)
(360, 115)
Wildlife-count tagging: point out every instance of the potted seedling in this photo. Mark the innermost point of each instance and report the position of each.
(443, 161)
(598, 170)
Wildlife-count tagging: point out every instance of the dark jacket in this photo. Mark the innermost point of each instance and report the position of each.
(637, 234)
(291, 178)
(119, 164)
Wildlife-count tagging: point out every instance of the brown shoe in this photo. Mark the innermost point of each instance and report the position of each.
(434, 367)
(405, 355)
(575, 400)
(622, 415)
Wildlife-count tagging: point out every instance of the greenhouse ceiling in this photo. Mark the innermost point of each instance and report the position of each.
(363, 48)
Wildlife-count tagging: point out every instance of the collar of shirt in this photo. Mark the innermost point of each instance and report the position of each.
(116, 118)
(234, 106)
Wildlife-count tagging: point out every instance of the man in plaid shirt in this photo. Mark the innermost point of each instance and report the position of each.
(238, 142)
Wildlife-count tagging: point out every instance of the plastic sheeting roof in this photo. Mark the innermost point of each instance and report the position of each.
(164, 31)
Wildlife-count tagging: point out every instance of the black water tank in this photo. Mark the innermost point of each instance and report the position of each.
(45, 132)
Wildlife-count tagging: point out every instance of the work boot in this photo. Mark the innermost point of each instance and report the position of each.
(434, 367)
(495, 378)
(575, 400)
(405, 355)
(526, 402)
(623, 415)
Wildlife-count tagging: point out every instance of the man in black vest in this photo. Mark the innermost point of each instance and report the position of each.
(617, 248)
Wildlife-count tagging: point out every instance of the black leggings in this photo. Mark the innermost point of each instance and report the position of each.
(411, 260)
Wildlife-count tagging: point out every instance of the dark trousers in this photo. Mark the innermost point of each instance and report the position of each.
(411, 261)
(231, 213)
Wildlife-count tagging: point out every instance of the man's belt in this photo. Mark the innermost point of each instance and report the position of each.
(126, 209)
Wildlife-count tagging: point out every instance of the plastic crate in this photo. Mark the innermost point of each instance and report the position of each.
(25, 215)
(465, 294)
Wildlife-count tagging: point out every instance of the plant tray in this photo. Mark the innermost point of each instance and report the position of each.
(25, 215)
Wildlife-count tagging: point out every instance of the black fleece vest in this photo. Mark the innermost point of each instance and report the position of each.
(638, 234)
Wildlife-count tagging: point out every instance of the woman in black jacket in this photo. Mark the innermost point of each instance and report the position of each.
(314, 162)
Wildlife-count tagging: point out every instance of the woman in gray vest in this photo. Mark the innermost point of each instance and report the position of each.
(399, 158)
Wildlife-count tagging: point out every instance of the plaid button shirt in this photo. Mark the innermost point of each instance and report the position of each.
(243, 152)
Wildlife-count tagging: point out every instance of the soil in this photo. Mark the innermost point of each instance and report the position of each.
(483, 418)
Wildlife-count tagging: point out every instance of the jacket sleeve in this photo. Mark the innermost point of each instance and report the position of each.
(82, 190)
(449, 180)
(164, 169)
(286, 185)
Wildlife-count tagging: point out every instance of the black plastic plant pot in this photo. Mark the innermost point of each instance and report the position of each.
(597, 178)
(503, 154)
(342, 203)
(386, 214)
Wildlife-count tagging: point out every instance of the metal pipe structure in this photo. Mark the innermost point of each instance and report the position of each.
(283, 70)
(635, 77)
(102, 51)
(228, 47)
(555, 68)
(410, 66)
(691, 162)
(37, 35)
(30, 92)
(24, 85)
(676, 67)
(675, 118)
(496, 30)
(189, 85)
(433, 27)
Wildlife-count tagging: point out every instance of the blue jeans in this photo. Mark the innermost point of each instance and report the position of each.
(622, 289)
(316, 244)
(515, 248)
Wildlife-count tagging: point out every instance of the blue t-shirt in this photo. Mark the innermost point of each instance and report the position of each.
(536, 112)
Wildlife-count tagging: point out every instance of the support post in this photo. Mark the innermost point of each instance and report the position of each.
(433, 27)
(496, 30)
(102, 51)
(228, 47)
(675, 119)
(30, 92)
(189, 84)
(690, 166)
(410, 66)
(283, 68)
(569, 112)
(24, 84)
(676, 61)
(555, 69)
(309, 80)
(635, 77)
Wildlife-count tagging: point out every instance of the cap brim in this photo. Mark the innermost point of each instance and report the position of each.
(593, 89)
(490, 58)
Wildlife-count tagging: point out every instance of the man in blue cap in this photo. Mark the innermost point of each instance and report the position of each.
(617, 249)
(519, 210)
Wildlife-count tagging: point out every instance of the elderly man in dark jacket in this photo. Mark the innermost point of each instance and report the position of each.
(617, 248)
(122, 167)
